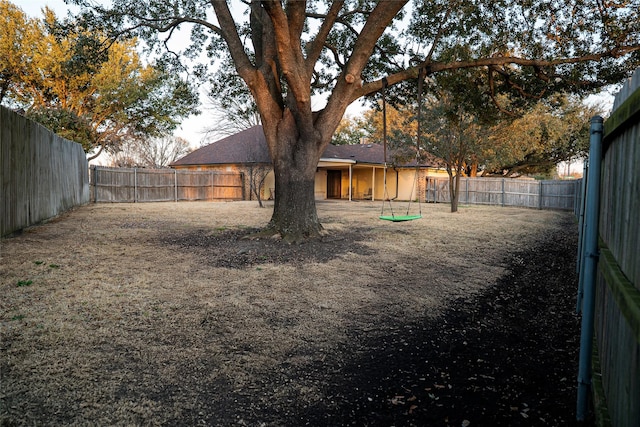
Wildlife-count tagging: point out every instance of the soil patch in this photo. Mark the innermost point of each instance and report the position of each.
(161, 314)
(242, 248)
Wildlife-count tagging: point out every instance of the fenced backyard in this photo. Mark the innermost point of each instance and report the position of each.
(164, 185)
(132, 185)
(547, 194)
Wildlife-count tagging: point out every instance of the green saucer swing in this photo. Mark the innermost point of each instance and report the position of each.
(399, 218)
(393, 217)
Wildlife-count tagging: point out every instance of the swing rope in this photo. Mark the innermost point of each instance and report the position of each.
(385, 197)
(406, 217)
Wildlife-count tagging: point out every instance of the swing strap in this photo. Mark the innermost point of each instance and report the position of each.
(406, 217)
(385, 196)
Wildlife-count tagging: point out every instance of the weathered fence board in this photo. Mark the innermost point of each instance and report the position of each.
(617, 305)
(508, 192)
(158, 185)
(42, 174)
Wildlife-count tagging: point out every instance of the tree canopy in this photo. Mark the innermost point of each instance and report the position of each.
(550, 131)
(287, 51)
(83, 85)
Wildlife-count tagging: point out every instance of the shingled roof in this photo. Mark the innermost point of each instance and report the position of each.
(243, 147)
(250, 146)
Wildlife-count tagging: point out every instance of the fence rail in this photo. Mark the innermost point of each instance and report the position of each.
(134, 185)
(551, 194)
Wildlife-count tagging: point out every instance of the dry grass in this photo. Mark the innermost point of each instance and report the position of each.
(106, 321)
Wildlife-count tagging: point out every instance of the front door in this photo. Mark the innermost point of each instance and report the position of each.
(334, 184)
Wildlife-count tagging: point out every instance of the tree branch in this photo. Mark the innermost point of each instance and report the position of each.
(296, 17)
(434, 67)
(492, 94)
(346, 86)
(314, 49)
(229, 33)
(291, 63)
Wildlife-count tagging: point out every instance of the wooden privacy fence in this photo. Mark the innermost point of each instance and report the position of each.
(41, 174)
(552, 194)
(617, 293)
(162, 185)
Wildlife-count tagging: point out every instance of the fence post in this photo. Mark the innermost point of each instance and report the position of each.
(590, 267)
(541, 195)
(503, 192)
(175, 183)
(95, 183)
(135, 185)
(434, 190)
(467, 191)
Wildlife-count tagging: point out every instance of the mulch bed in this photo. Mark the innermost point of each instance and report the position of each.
(245, 247)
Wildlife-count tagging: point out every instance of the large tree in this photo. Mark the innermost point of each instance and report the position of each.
(285, 50)
(554, 130)
(83, 85)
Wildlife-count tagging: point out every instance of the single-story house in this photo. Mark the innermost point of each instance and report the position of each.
(352, 172)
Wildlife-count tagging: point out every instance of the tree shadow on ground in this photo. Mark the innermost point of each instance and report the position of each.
(241, 248)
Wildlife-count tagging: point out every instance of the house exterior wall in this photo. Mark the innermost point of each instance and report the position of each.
(362, 182)
(321, 184)
(344, 190)
(267, 192)
(363, 179)
(402, 184)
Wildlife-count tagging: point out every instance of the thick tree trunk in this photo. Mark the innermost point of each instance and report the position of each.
(454, 190)
(294, 214)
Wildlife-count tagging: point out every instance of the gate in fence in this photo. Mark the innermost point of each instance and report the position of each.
(134, 185)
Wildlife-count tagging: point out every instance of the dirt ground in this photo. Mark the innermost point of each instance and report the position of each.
(161, 314)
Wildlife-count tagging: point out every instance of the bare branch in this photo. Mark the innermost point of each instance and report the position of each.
(492, 94)
(514, 85)
(336, 56)
(438, 34)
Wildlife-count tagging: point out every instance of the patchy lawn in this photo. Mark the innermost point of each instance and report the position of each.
(161, 314)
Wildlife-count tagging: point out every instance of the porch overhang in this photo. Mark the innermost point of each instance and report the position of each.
(327, 163)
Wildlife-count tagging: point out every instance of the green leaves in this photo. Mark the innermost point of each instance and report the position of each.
(86, 87)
